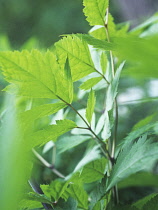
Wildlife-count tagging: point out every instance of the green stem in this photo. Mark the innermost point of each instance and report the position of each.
(115, 190)
(99, 141)
(48, 165)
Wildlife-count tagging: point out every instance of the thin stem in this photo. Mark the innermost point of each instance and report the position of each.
(48, 165)
(99, 141)
(115, 190)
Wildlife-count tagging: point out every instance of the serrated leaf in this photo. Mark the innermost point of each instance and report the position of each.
(77, 192)
(112, 88)
(38, 197)
(67, 142)
(152, 204)
(90, 105)
(133, 159)
(95, 10)
(29, 204)
(90, 83)
(145, 201)
(137, 133)
(79, 56)
(51, 132)
(94, 170)
(55, 189)
(35, 75)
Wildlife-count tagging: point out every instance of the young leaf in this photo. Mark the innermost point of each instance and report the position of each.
(90, 83)
(95, 10)
(51, 132)
(133, 159)
(79, 56)
(90, 105)
(94, 170)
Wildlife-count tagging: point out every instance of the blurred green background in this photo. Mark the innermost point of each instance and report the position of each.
(46, 20)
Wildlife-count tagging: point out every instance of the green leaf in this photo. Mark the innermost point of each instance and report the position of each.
(51, 132)
(77, 192)
(140, 179)
(133, 159)
(90, 105)
(90, 83)
(79, 56)
(136, 133)
(29, 73)
(70, 204)
(98, 192)
(103, 62)
(95, 10)
(144, 202)
(38, 197)
(42, 111)
(36, 75)
(68, 80)
(94, 170)
(68, 142)
(152, 204)
(112, 88)
(55, 189)
(96, 43)
(29, 204)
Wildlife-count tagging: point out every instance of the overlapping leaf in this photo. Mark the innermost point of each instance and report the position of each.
(36, 75)
(79, 56)
(51, 132)
(133, 159)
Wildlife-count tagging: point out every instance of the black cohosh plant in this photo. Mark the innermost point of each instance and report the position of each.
(84, 69)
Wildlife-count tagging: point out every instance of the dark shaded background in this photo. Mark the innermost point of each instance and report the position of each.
(47, 19)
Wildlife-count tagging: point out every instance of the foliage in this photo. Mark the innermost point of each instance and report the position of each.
(49, 88)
